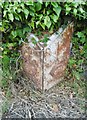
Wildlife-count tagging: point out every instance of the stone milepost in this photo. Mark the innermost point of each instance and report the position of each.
(45, 65)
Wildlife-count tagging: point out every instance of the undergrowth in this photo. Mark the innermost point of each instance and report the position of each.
(20, 18)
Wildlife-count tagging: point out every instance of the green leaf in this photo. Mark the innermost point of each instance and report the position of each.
(37, 23)
(77, 75)
(11, 17)
(81, 10)
(40, 1)
(40, 16)
(80, 62)
(32, 8)
(49, 24)
(4, 13)
(19, 10)
(14, 34)
(20, 33)
(47, 21)
(18, 17)
(54, 4)
(57, 10)
(80, 34)
(2, 29)
(10, 45)
(49, 12)
(26, 29)
(45, 39)
(67, 9)
(83, 39)
(72, 61)
(75, 12)
(32, 24)
(31, 13)
(38, 6)
(34, 41)
(75, 4)
(0, 23)
(42, 25)
(54, 18)
(26, 12)
(1, 4)
(29, 3)
(5, 61)
(22, 5)
(46, 4)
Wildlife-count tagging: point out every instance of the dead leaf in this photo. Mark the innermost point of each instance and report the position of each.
(55, 108)
(71, 95)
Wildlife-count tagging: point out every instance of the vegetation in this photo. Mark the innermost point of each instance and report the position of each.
(19, 18)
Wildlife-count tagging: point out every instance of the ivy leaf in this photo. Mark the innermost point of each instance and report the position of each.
(67, 9)
(57, 10)
(42, 25)
(29, 3)
(32, 24)
(26, 29)
(31, 12)
(80, 34)
(40, 16)
(83, 39)
(54, 4)
(11, 17)
(54, 18)
(26, 12)
(77, 75)
(45, 39)
(2, 29)
(4, 13)
(20, 33)
(22, 5)
(81, 10)
(38, 6)
(47, 21)
(19, 10)
(14, 34)
(49, 12)
(46, 4)
(17, 17)
(49, 24)
(75, 12)
(37, 23)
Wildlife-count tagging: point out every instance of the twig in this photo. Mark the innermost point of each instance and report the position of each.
(23, 100)
(17, 114)
(11, 107)
(17, 62)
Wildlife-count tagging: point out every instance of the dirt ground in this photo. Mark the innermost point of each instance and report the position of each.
(58, 102)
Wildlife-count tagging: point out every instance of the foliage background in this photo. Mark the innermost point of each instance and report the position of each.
(19, 18)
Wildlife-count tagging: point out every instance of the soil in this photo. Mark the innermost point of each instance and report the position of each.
(58, 102)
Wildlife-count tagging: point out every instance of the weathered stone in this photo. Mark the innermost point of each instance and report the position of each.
(32, 65)
(45, 65)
